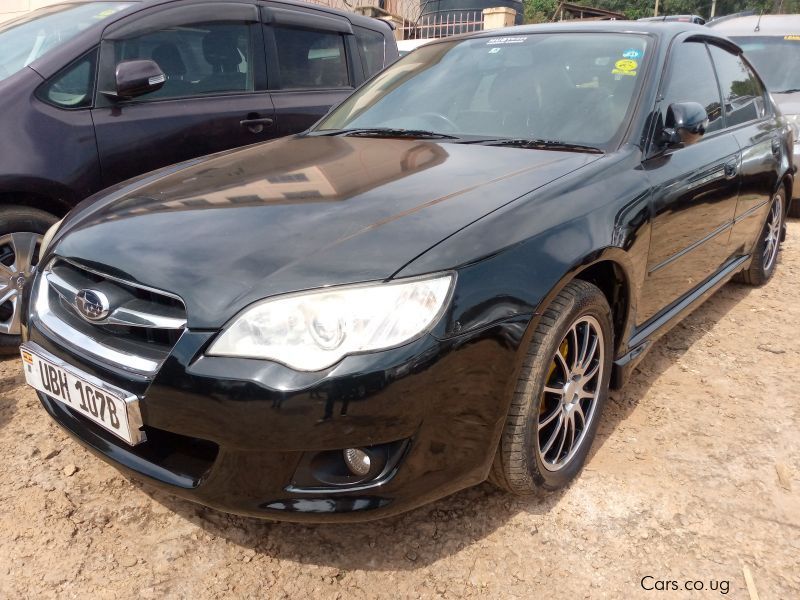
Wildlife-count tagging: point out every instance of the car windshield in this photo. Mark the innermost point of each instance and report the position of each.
(30, 37)
(566, 87)
(776, 58)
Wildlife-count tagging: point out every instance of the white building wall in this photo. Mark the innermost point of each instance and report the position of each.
(14, 8)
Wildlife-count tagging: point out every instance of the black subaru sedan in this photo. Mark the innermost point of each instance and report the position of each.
(436, 284)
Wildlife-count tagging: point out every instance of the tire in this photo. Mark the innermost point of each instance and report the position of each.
(523, 462)
(767, 248)
(30, 224)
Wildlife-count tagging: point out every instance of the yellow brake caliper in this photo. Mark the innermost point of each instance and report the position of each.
(562, 349)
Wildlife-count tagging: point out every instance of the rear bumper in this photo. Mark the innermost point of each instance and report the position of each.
(234, 433)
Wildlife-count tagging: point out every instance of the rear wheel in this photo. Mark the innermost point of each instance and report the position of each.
(560, 393)
(765, 253)
(21, 231)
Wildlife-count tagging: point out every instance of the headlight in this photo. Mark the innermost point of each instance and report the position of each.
(314, 330)
(47, 238)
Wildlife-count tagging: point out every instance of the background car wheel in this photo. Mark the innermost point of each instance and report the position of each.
(794, 209)
(559, 395)
(765, 253)
(21, 230)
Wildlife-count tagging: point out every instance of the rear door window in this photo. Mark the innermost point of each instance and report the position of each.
(742, 94)
(311, 59)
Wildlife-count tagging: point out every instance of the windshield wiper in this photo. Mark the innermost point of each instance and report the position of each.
(791, 91)
(391, 132)
(542, 145)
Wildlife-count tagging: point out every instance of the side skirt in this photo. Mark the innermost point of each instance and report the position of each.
(644, 337)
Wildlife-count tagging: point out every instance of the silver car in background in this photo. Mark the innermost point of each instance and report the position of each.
(772, 45)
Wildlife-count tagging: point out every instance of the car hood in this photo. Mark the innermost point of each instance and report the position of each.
(788, 103)
(298, 213)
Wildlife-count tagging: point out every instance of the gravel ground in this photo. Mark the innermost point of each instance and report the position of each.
(695, 476)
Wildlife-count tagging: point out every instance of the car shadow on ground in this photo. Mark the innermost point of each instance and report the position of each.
(436, 531)
(663, 355)
(11, 380)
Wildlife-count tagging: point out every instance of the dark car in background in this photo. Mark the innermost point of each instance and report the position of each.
(437, 283)
(772, 44)
(93, 93)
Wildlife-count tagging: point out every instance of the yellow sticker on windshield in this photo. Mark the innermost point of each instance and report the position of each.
(792, 38)
(626, 65)
(109, 11)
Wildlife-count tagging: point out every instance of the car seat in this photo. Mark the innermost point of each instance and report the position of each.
(167, 56)
(221, 51)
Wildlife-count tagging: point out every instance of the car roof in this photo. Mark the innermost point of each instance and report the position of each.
(768, 25)
(353, 17)
(661, 29)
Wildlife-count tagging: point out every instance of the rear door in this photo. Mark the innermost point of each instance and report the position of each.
(214, 98)
(749, 116)
(695, 187)
(312, 61)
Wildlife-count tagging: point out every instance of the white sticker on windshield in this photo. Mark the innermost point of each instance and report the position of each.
(514, 39)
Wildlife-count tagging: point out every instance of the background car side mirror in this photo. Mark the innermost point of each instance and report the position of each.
(686, 124)
(137, 77)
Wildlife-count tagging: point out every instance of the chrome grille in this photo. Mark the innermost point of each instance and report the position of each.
(137, 334)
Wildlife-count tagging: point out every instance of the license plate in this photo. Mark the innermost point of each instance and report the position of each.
(111, 408)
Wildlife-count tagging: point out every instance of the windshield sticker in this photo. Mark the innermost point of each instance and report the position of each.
(110, 11)
(494, 50)
(792, 38)
(625, 67)
(633, 53)
(517, 39)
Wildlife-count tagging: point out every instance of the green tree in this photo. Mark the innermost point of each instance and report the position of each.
(537, 11)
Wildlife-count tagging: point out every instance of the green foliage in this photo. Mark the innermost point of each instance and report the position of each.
(538, 11)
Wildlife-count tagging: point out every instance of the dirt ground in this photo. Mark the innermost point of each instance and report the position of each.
(695, 477)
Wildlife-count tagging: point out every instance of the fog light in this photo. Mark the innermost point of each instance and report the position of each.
(357, 461)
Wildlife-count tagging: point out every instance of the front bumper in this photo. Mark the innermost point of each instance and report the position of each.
(232, 433)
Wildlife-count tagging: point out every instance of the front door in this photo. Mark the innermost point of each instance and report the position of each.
(214, 97)
(695, 189)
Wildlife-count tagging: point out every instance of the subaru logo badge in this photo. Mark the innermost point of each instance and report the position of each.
(92, 305)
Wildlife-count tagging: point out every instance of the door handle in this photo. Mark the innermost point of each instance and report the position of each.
(731, 169)
(257, 124)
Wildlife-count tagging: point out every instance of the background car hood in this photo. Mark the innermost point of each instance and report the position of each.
(788, 103)
(297, 213)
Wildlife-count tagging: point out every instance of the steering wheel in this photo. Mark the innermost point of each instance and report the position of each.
(441, 118)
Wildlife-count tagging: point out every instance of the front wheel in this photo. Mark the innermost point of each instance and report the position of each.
(21, 230)
(560, 393)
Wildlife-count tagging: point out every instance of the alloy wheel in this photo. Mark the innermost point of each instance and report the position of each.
(17, 259)
(570, 395)
(773, 233)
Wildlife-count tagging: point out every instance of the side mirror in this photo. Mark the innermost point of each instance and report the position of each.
(138, 77)
(686, 124)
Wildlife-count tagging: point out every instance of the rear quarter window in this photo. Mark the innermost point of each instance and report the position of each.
(372, 48)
